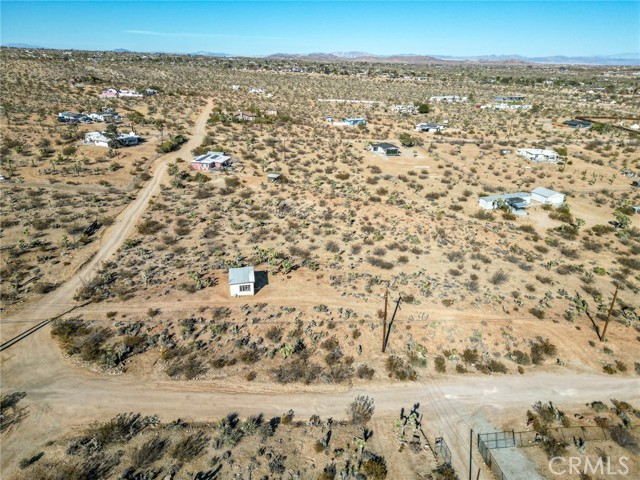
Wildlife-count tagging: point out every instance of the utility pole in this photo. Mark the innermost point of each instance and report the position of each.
(391, 322)
(470, 453)
(604, 330)
(384, 321)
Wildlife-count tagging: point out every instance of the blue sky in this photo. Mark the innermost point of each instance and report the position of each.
(532, 28)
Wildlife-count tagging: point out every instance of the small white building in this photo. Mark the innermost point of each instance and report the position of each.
(448, 99)
(538, 155)
(516, 201)
(241, 281)
(429, 127)
(99, 139)
(129, 93)
(547, 197)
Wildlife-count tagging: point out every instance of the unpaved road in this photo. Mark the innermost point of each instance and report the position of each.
(61, 395)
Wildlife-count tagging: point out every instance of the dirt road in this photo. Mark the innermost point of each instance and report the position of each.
(60, 395)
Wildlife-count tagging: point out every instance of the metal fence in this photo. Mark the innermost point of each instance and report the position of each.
(443, 449)
(485, 452)
(513, 439)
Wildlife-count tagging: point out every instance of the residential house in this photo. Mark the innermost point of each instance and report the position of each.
(355, 121)
(515, 201)
(71, 117)
(404, 109)
(430, 127)
(246, 116)
(512, 98)
(448, 99)
(577, 123)
(106, 116)
(109, 93)
(506, 151)
(547, 197)
(538, 155)
(129, 93)
(210, 160)
(256, 90)
(241, 281)
(99, 139)
(387, 148)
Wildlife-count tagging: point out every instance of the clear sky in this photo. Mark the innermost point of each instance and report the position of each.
(530, 28)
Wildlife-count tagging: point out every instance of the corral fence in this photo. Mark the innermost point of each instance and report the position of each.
(513, 439)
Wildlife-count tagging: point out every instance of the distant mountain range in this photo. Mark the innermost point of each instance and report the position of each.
(627, 59)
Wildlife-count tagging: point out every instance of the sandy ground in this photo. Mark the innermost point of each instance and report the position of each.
(61, 395)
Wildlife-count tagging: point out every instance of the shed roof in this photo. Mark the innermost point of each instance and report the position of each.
(521, 196)
(385, 146)
(241, 275)
(545, 192)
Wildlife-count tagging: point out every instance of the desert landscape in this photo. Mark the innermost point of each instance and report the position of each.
(396, 314)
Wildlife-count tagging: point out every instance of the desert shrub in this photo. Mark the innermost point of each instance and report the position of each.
(440, 364)
(624, 438)
(149, 227)
(499, 277)
(470, 356)
(299, 370)
(374, 468)
(400, 370)
(521, 358)
(190, 447)
(554, 448)
(150, 451)
(365, 372)
(537, 312)
(188, 367)
(540, 349)
(360, 410)
(378, 262)
(274, 334)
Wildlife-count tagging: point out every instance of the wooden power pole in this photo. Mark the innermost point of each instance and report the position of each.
(384, 321)
(604, 330)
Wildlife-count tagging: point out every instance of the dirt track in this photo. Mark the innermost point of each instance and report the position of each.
(61, 395)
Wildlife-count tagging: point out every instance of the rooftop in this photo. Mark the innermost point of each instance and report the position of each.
(385, 146)
(545, 192)
(241, 275)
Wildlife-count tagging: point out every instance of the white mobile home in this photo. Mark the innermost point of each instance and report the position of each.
(547, 197)
(241, 281)
(539, 155)
(429, 127)
(515, 201)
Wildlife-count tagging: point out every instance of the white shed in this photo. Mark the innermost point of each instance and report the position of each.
(241, 281)
(546, 196)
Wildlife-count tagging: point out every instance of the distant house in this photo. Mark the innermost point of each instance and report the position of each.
(538, 155)
(547, 197)
(404, 109)
(511, 98)
(71, 117)
(150, 91)
(506, 151)
(387, 148)
(129, 93)
(448, 99)
(430, 127)
(210, 160)
(235, 87)
(99, 139)
(246, 116)
(241, 281)
(109, 93)
(256, 90)
(355, 121)
(577, 123)
(635, 126)
(515, 201)
(272, 112)
(329, 119)
(108, 116)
